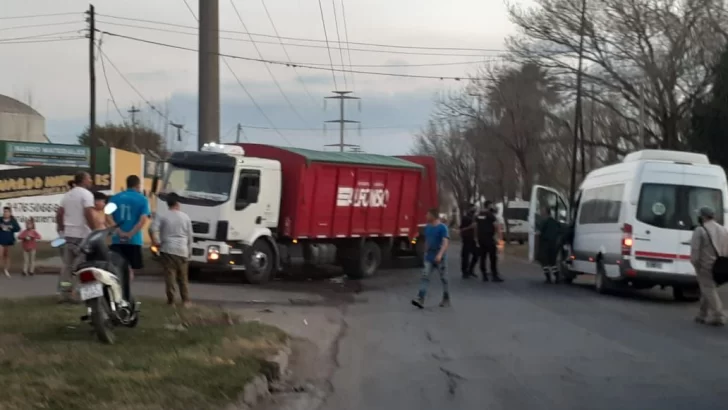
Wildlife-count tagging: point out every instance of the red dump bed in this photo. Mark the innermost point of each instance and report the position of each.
(429, 198)
(338, 195)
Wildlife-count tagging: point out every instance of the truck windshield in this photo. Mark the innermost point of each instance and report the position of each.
(196, 186)
(676, 206)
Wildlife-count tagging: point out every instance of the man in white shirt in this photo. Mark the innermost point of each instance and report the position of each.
(74, 220)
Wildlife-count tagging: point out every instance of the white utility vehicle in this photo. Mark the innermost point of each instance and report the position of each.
(632, 222)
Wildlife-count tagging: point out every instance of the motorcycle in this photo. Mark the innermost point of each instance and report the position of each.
(103, 284)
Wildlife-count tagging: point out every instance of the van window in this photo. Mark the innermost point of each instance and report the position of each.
(676, 206)
(601, 205)
(519, 214)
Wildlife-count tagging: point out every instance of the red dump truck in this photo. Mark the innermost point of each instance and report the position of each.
(253, 206)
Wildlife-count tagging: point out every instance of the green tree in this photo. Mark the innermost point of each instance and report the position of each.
(710, 117)
(140, 138)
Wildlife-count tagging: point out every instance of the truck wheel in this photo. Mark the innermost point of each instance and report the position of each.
(259, 262)
(367, 261)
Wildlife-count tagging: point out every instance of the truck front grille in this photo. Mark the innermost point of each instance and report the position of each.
(200, 227)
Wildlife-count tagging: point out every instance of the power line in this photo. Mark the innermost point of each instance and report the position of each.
(108, 85)
(363, 50)
(311, 40)
(245, 89)
(348, 50)
(328, 47)
(65, 23)
(285, 51)
(384, 127)
(56, 33)
(38, 15)
(126, 80)
(338, 40)
(432, 77)
(267, 67)
(48, 40)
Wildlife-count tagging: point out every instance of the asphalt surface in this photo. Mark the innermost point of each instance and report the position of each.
(523, 344)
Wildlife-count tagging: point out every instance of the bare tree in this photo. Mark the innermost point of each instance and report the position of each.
(659, 49)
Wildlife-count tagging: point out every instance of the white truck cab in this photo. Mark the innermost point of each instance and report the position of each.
(232, 218)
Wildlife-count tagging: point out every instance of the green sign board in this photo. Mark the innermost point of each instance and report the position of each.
(35, 154)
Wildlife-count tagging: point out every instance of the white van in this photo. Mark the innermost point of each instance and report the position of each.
(517, 216)
(632, 222)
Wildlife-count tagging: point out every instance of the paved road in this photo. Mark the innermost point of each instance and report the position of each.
(525, 345)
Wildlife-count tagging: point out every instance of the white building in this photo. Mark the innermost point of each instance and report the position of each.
(20, 122)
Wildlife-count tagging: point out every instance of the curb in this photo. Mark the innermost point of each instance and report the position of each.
(259, 388)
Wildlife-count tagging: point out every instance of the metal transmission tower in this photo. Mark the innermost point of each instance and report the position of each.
(342, 96)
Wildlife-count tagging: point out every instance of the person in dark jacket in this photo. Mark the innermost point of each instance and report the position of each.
(489, 234)
(548, 245)
(8, 228)
(469, 250)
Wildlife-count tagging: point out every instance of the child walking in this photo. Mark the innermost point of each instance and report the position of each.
(29, 238)
(8, 228)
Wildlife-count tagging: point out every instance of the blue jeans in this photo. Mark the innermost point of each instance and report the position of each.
(425, 279)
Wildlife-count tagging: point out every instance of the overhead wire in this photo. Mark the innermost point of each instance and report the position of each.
(39, 15)
(311, 40)
(328, 47)
(63, 23)
(348, 50)
(106, 79)
(338, 40)
(56, 33)
(267, 67)
(245, 89)
(433, 77)
(363, 50)
(45, 40)
(136, 90)
(285, 51)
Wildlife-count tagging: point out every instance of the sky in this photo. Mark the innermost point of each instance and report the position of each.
(53, 76)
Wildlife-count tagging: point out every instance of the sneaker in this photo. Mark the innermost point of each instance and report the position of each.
(699, 319)
(7, 274)
(419, 302)
(25, 273)
(485, 277)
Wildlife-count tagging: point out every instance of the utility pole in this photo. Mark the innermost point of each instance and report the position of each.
(342, 96)
(93, 142)
(642, 115)
(209, 73)
(133, 111)
(179, 131)
(240, 130)
(593, 149)
(577, 116)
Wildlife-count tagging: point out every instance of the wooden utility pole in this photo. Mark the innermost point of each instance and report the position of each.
(342, 96)
(93, 142)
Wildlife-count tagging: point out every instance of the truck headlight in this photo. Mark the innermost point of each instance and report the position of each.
(213, 253)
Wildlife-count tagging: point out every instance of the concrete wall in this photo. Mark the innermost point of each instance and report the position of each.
(22, 127)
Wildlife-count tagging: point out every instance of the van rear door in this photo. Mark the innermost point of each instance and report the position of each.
(542, 196)
(656, 237)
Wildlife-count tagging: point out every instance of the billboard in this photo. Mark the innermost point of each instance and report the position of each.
(37, 154)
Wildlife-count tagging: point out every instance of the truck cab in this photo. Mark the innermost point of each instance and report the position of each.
(233, 219)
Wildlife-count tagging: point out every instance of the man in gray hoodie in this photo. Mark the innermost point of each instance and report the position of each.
(710, 239)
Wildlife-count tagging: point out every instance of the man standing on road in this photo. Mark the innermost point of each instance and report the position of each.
(172, 234)
(131, 215)
(548, 244)
(710, 240)
(436, 242)
(469, 250)
(486, 228)
(74, 220)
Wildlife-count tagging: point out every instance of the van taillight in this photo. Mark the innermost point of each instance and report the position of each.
(86, 276)
(627, 239)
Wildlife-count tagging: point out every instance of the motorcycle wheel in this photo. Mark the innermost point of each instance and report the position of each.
(100, 320)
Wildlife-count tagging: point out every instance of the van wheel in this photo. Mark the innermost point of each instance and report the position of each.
(258, 262)
(685, 295)
(602, 284)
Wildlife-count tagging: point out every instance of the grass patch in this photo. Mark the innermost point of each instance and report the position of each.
(195, 358)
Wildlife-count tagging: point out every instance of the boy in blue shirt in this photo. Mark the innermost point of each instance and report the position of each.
(436, 243)
(131, 214)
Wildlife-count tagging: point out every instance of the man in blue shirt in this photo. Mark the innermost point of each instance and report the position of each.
(131, 214)
(436, 243)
